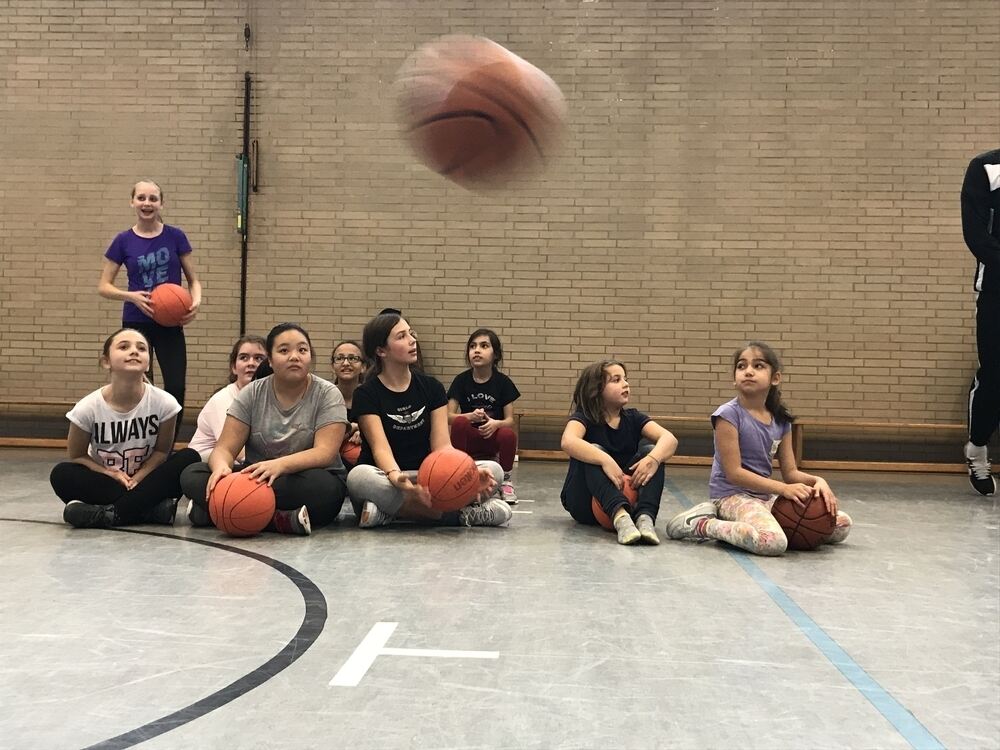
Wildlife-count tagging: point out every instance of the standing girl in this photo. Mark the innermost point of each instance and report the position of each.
(348, 365)
(606, 442)
(749, 431)
(403, 417)
(247, 354)
(153, 253)
(291, 425)
(481, 407)
(119, 439)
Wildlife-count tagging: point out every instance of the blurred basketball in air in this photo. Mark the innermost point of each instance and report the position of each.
(476, 112)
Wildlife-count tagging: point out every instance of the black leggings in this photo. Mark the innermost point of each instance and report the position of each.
(171, 353)
(320, 490)
(984, 394)
(587, 481)
(72, 481)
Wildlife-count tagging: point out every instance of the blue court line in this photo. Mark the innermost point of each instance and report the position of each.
(895, 713)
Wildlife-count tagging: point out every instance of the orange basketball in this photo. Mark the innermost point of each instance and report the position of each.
(805, 528)
(170, 304)
(631, 494)
(476, 112)
(240, 505)
(350, 452)
(452, 478)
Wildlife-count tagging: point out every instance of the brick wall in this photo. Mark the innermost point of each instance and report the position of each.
(783, 170)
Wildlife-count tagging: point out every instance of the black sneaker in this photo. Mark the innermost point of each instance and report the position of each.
(980, 476)
(86, 516)
(198, 516)
(162, 513)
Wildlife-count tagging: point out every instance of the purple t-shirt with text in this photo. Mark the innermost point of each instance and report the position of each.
(149, 261)
(758, 445)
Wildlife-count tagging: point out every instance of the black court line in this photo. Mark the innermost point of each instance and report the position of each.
(312, 625)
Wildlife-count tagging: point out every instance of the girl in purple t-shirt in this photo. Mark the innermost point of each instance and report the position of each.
(153, 253)
(749, 431)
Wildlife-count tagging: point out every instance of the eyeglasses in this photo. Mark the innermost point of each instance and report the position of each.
(352, 358)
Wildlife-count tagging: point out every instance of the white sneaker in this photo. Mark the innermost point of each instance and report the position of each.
(372, 517)
(980, 476)
(683, 524)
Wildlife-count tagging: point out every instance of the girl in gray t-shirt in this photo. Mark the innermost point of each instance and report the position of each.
(750, 431)
(291, 425)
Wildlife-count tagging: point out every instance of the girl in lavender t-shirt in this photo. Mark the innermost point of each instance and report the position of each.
(153, 253)
(749, 431)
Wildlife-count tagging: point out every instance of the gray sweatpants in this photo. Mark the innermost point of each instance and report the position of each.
(370, 484)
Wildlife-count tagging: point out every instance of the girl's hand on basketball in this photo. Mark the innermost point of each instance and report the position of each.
(798, 492)
(355, 437)
(192, 311)
(643, 470)
(487, 484)
(614, 472)
(411, 491)
(822, 489)
(266, 471)
(487, 428)
(217, 475)
(142, 301)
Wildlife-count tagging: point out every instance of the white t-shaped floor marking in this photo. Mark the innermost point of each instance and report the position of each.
(373, 646)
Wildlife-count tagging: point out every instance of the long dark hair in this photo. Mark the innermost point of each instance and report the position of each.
(375, 335)
(590, 384)
(494, 342)
(773, 402)
(235, 352)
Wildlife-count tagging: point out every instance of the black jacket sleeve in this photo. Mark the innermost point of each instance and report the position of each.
(979, 219)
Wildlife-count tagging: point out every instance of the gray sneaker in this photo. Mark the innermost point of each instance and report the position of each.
(86, 516)
(647, 530)
(683, 524)
(493, 512)
(371, 516)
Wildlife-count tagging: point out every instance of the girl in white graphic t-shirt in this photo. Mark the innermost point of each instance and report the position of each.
(120, 470)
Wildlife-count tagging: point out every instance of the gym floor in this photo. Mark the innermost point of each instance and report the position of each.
(541, 635)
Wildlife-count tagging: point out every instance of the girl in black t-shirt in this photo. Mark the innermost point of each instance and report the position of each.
(481, 407)
(605, 442)
(403, 417)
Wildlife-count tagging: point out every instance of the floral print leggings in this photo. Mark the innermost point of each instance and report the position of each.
(746, 522)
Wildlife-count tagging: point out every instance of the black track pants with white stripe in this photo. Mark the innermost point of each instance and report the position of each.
(984, 394)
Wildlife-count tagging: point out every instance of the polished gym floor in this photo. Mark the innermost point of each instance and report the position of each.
(541, 635)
